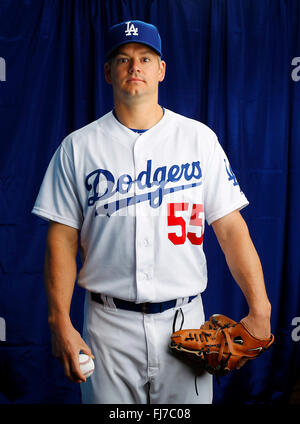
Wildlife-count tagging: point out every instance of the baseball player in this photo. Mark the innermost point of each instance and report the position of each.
(136, 187)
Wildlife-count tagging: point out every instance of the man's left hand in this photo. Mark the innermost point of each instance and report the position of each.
(259, 327)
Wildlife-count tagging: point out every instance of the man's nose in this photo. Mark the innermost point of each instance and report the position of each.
(134, 65)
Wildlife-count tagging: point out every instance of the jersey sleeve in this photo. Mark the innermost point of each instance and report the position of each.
(222, 193)
(58, 198)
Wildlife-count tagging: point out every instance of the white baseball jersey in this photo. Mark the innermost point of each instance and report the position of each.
(141, 202)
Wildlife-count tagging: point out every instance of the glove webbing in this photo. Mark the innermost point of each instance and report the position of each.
(226, 338)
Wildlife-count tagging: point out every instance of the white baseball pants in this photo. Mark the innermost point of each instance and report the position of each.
(133, 364)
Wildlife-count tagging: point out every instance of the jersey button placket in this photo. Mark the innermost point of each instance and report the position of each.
(144, 250)
(144, 258)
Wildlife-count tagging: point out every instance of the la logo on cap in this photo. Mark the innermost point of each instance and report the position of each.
(131, 30)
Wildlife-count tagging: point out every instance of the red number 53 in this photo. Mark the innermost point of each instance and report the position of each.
(195, 220)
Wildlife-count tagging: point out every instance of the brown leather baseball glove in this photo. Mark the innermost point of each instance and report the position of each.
(219, 344)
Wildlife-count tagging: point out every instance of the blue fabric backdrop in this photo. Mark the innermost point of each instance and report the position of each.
(229, 66)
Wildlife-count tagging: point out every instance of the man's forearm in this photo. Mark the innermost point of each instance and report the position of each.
(60, 275)
(245, 266)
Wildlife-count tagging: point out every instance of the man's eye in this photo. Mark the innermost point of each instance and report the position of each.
(122, 60)
(146, 59)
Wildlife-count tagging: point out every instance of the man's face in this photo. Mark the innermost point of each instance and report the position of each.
(135, 72)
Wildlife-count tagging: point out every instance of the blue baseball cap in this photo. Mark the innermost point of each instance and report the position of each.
(133, 32)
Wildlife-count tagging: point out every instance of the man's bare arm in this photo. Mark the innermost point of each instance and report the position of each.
(245, 266)
(60, 277)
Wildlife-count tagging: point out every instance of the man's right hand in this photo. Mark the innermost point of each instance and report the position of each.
(67, 343)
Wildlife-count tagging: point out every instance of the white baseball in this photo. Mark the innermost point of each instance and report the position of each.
(87, 365)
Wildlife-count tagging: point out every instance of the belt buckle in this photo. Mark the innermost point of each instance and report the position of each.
(144, 308)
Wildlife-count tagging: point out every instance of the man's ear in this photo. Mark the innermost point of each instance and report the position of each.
(162, 71)
(107, 72)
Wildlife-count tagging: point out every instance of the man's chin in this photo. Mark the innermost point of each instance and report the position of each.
(135, 93)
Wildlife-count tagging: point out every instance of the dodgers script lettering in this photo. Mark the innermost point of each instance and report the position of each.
(145, 181)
